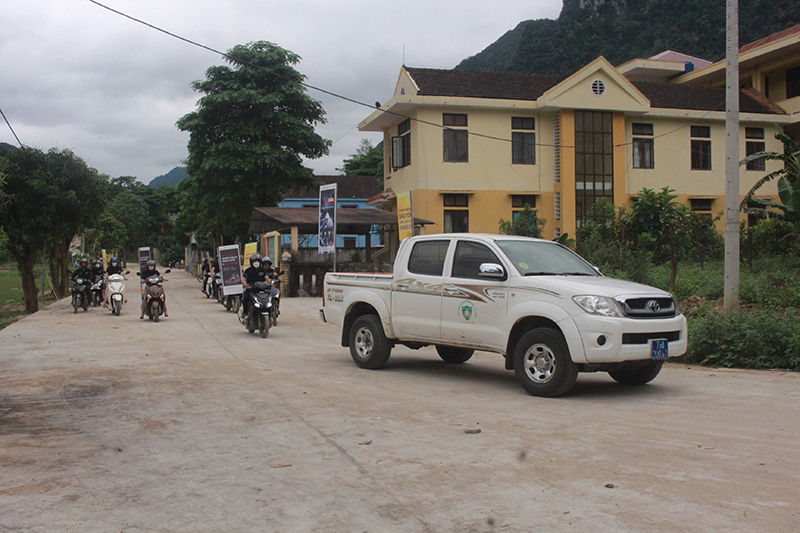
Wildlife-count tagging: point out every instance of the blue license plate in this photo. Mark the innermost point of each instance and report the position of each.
(659, 349)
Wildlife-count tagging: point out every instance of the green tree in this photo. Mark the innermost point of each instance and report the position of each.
(367, 161)
(788, 178)
(248, 137)
(53, 196)
(660, 225)
(527, 224)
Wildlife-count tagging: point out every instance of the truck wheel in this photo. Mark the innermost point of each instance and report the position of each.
(543, 365)
(369, 346)
(452, 355)
(637, 374)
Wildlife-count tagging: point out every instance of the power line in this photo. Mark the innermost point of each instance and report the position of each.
(352, 100)
(12, 129)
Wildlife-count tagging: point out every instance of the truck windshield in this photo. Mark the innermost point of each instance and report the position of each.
(536, 258)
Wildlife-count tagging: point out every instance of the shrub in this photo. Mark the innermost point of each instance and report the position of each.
(749, 338)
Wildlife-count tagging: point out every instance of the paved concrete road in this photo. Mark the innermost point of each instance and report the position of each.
(112, 424)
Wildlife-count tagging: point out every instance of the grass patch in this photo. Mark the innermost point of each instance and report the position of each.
(12, 303)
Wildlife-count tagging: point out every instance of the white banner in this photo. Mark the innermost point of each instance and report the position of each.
(327, 219)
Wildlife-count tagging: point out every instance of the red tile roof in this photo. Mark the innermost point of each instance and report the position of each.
(361, 187)
(770, 39)
(530, 86)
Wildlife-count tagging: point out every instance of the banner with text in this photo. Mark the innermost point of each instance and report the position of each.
(327, 219)
(231, 269)
(249, 249)
(144, 257)
(405, 216)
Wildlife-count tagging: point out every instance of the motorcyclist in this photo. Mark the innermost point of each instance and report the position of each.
(98, 270)
(83, 270)
(114, 267)
(255, 273)
(150, 271)
(206, 270)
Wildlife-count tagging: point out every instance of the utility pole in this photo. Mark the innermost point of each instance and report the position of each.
(731, 299)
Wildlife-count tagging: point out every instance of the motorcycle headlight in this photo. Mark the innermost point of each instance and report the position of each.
(598, 305)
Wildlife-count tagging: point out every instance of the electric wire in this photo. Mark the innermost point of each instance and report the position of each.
(357, 102)
(12, 129)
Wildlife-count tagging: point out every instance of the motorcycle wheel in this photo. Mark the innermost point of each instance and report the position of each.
(115, 308)
(75, 303)
(251, 326)
(237, 303)
(229, 303)
(85, 302)
(264, 326)
(274, 316)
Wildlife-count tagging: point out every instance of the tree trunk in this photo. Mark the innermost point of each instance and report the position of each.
(25, 263)
(58, 261)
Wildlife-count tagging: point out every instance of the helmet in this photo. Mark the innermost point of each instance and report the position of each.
(254, 257)
(83, 260)
(113, 260)
(151, 264)
(267, 259)
(97, 263)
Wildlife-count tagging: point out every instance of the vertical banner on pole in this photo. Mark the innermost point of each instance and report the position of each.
(231, 269)
(327, 219)
(405, 216)
(144, 257)
(104, 255)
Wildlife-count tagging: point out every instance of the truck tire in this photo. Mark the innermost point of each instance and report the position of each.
(452, 355)
(636, 374)
(543, 365)
(369, 346)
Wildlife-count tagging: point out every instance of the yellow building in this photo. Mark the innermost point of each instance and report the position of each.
(475, 147)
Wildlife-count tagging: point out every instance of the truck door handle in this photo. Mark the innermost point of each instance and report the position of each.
(401, 285)
(451, 289)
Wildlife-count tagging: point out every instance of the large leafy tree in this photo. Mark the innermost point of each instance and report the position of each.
(528, 223)
(54, 195)
(248, 137)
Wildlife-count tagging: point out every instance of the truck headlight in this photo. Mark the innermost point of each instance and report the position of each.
(598, 305)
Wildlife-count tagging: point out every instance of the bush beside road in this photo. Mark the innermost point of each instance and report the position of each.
(118, 424)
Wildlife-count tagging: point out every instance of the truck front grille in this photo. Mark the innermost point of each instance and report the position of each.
(644, 306)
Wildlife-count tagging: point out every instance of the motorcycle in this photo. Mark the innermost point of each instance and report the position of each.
(260, 312)
(276, 298)
(81, 294)
(98, 289)
(216, 285)
(233, 302)
(116, 292)
(218, 289)
(207, 283)
(153, 299)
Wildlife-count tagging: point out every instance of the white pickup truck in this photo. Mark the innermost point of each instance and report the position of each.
(548, 311)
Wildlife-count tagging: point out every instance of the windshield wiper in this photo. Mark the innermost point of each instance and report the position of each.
(540, 274)
(574, 274)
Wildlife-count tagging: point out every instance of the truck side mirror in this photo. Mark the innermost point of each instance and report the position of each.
(491, 271)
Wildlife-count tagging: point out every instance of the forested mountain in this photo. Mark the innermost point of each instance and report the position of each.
(173, 177)
(622, 30)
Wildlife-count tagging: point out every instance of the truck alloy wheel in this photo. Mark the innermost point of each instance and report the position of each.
(542, 363)
(369, 346)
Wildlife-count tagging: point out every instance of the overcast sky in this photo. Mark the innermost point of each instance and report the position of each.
(77, 76)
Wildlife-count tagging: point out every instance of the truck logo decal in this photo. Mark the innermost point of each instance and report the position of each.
(467, 310)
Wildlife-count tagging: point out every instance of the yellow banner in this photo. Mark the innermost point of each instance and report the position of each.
(105, 259)
(250, 248)
(405, 216)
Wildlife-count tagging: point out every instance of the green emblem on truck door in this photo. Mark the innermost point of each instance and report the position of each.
(467, 310)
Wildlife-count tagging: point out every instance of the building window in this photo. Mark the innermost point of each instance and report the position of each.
(701, 205)
(594, 160)
(456, 221)
(456, 142)
(401, 145)
(456, 200)
(792, 82)
(701, 147)
(518, 203)
(523, 143)
(754, 146)
(643, 146)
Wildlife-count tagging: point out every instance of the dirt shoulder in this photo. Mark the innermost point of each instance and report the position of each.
(118, 424)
